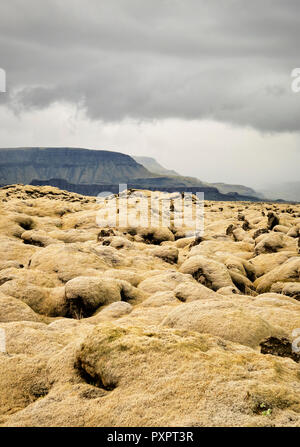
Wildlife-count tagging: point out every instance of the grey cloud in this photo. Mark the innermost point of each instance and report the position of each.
(230, 61)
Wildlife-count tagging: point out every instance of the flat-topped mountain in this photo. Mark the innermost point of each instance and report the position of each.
(79, 166)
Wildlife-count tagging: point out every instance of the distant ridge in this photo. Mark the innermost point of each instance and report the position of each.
(89, 172)
(210, 193)
(153, 166)
(224, 188)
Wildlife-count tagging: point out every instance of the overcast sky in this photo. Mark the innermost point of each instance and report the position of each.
(203, 86)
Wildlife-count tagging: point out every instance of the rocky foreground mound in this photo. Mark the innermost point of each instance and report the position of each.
(135, 326)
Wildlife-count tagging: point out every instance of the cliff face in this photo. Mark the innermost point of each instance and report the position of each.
(79, 166)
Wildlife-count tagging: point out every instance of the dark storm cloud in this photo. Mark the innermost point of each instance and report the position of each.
(226, 60)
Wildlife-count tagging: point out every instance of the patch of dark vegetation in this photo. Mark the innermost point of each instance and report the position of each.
(149, 239)
(259, 232)
(196, 242)
(180, 297)
(92, 393)
(263, 409)
(105, 232)
(272, 220)
(5, 279)
(240, 285)
(230, 229)
(132, 231)
(124, 297)
(26, 224)
(78, 310)
(246, 225)
(33, 242)
(202, 279)
(38, 390)
(92, 380)
(281, 347)
(178, 233)
(264, 406)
